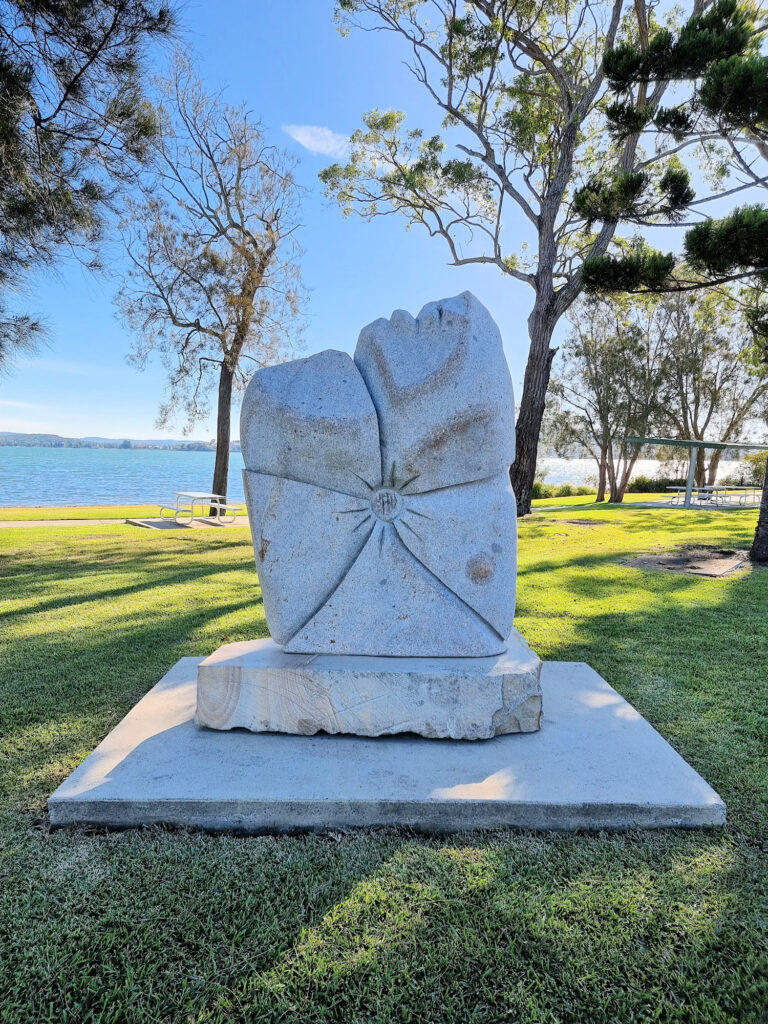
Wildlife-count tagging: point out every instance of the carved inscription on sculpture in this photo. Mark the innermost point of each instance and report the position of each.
(387, 504)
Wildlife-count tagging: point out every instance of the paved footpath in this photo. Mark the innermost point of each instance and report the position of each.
(152, 524)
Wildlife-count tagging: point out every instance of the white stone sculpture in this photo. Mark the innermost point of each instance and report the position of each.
(384, 527)
(378, 490)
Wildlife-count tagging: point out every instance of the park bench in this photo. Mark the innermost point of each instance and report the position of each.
(228, 511)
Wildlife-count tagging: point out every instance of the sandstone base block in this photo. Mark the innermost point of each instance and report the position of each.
(256, 685)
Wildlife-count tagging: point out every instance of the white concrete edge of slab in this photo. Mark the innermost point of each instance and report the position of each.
(136, 776)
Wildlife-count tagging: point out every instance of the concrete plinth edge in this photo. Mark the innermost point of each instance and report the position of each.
(595, 764)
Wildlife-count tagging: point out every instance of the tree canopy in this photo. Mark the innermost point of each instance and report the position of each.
(676, 364)
(74, 125)
(715, 60)
(527, 141)
(213, 284)
(605, 386)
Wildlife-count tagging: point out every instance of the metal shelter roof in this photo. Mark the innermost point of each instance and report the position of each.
(693, 443)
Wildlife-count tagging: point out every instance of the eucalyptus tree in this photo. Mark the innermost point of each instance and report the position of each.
(605, 386)
(74, 127)
(709, 384)
(213, 282)
(680, 365)
(520, 86)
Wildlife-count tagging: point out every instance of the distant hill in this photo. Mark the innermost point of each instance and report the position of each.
(9, 439)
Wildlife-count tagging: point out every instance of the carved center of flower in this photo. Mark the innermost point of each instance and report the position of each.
(386, 504)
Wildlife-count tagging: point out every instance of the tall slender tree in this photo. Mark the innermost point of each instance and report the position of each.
(214, 282)
(521, 88)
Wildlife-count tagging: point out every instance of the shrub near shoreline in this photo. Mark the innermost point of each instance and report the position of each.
(541, 490)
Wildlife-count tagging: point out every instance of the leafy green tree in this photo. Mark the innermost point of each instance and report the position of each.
(520, 86)
(74, 126)
(213, 284)
(709, 386)
(756, 463)
(605, 386)
(676, 364)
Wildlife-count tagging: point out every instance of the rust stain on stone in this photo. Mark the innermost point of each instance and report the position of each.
(479, 569)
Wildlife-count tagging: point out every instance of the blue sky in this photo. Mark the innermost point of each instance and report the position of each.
(291, 71)
(287, 61)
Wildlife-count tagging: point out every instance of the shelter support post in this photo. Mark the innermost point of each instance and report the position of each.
(694, 454)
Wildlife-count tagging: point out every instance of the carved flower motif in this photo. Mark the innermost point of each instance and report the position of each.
(378, 491)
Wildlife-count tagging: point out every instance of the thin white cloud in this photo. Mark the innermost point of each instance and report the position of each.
(14, 426)
(318, 140)
(9, 403)
(59, 366)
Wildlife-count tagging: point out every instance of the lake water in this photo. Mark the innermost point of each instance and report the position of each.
(107, 476)
(116, 476)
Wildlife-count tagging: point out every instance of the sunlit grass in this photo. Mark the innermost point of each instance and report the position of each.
(47, 512)
(382, 925)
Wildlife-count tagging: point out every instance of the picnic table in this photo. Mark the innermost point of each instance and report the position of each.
(750, 493)
(718, 494)
(187, 501)
(694, 446)
(707, 492)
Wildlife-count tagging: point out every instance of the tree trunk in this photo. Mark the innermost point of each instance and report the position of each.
(714, 462)
(531, 411)
(610, 468)
(759, 550)
(618, 486)
(601, 477)
(223, 418)
(620, 483)
(701, 477)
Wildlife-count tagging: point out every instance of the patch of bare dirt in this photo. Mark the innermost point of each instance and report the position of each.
(699, 561)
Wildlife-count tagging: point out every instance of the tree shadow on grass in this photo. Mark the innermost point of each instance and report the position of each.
(692, 659)
(60, 699)
(383, 926)
(646, 520)
(160, 580)
(87, 638)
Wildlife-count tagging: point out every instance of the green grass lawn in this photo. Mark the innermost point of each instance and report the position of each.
(382, 925)
(45, 512)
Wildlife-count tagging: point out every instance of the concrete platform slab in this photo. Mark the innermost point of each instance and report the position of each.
(195, 524)
(595, 764)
